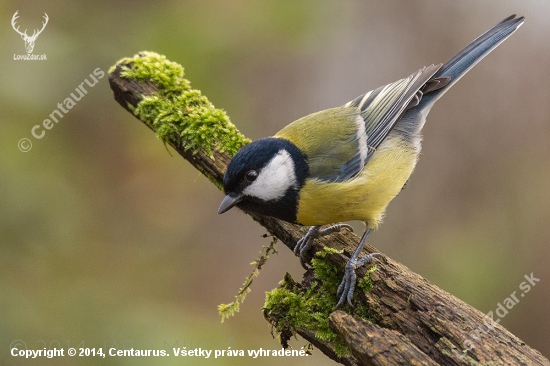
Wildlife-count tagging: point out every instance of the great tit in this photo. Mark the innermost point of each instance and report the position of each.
(347, 163)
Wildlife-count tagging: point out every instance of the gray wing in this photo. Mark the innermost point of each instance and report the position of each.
(380, 110)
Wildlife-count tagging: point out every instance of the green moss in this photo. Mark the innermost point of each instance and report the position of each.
(228, 310)
(177, 112)
(366, 282)
(295, 307)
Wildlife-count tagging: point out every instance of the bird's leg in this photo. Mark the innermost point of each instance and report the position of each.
(303, 245)
(347, 286)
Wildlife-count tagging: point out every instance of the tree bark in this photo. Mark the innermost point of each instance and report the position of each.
(415, 322)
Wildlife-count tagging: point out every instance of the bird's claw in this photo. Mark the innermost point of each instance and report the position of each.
(335, 228)
(347, 286)
(303, 245)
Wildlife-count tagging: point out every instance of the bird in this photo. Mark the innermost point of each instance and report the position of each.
(347, 163)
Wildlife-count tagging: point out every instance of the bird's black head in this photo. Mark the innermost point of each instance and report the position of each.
(265, 177)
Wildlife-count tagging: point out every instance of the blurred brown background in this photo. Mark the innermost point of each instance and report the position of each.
(106, 239)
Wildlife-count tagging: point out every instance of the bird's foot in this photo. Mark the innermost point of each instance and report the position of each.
(347, 286)
(303, 245)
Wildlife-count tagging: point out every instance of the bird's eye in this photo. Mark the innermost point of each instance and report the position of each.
(251, 175)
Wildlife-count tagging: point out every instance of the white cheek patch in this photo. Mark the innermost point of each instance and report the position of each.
(274, 179)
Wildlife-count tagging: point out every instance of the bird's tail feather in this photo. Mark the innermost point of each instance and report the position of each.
(413, 119)
(463, 61)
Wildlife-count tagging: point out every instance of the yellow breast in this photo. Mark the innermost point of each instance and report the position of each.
(364, 197)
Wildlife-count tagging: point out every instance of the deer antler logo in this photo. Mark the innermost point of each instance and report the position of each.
(29, 40)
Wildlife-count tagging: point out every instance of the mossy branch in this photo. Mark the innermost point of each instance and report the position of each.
(400, 318)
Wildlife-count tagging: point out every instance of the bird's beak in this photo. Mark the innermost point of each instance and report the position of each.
(228, 202)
